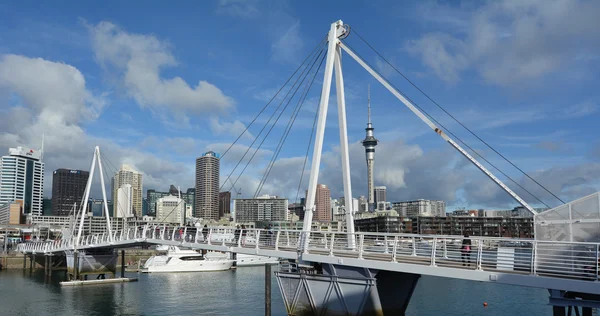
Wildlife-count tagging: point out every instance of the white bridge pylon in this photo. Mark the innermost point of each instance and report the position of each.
(86, 195)
(334, 61)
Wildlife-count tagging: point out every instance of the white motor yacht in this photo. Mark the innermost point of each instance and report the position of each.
(178, 260)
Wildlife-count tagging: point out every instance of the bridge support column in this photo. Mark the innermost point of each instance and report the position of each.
(24, 261)
(334, 289)
(234, 258)
(122, 263)
(31, 262)
(50, 265)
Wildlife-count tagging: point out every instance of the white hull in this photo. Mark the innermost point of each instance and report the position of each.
(177, 260)
(251, 260)
(220, 265)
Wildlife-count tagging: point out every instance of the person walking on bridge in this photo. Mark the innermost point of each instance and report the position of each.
(466, 250)
(205, 232)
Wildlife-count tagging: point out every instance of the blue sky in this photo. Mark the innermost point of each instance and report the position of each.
(155, 84)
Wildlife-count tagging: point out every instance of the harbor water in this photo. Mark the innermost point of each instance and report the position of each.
(239, 292)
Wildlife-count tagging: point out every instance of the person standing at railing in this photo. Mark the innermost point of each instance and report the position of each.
(466, 251)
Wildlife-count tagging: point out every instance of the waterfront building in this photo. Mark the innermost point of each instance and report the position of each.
(224, 204)
(91, 224)
(68, 187)
(127, 176)
(263, 208)
(207, 186)
(297, 209)
(420, 208)
(369, 143)
(152, 197)
(170, 209)
(22, 179)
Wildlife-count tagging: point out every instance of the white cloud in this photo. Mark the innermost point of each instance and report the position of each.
(288, 46)
(509, 42)
(239, 8)
(52, 99)
(442, 53)
(137, 60)
(234, 128)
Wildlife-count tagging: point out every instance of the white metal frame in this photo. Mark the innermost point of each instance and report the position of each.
(87, 195)
(333, 60)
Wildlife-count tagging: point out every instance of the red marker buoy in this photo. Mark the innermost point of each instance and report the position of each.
(484, 304)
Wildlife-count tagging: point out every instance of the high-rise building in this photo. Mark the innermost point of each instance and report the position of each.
(369, 143)
(207, 186)
(224, 203)
(68, 187)
(263, 208)
(11, 214)
(127, 175)
(124, 202)
(170, 209)
(322, 212)
(22, 179)
(380, 194)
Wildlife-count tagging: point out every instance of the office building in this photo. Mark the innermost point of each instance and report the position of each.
(68, 187)
(514, 227)
(11, 213)
(170, 209)
(322, 211)
(127, 175)
(152, 197)
(224, 203)
(263, 208)
(420, 208)
(380, 194)
(22, 179)
(96, 207)
(369, 143)
(207, 186)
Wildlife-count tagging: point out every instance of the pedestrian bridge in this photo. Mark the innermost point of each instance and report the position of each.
(568, 266)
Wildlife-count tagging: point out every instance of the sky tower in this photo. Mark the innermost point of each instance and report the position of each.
(369, 143)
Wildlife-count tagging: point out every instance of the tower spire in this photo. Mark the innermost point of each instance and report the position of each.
(369, 143)
(369, 103)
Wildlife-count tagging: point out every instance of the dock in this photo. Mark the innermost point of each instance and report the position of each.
(96, 282)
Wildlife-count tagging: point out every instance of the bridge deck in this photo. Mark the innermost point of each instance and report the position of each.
(550, 265)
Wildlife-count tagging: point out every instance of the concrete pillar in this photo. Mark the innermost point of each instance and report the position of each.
(76, 265)
(31, 262)
(234, 258)
(122, 263)
(50, 265)
(24, 261)
(267, 290)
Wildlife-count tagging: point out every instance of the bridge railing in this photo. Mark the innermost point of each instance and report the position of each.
(523, 256)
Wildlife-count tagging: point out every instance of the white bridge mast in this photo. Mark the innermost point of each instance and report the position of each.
(334, 59)
(339, 30)
(87, 195)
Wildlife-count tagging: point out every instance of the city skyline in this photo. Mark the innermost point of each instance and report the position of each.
(200, 98)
